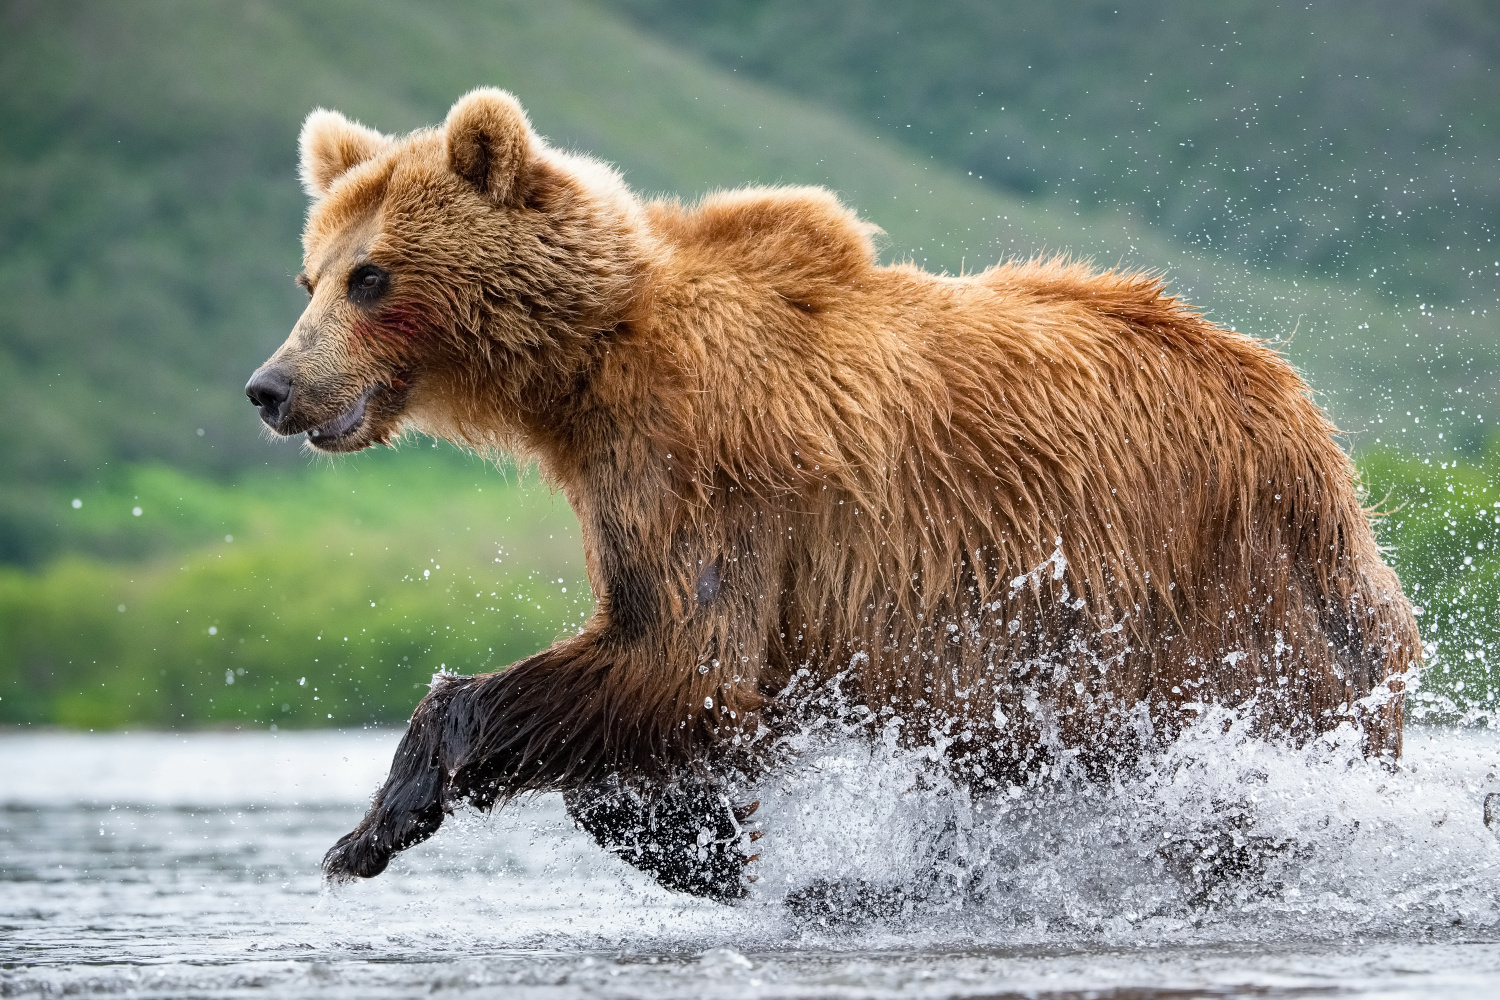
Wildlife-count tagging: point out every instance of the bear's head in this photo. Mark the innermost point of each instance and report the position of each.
(459, 280)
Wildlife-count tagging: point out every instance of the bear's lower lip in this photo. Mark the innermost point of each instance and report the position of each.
(345, 423)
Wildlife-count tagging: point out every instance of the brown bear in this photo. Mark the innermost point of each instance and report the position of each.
(1034, 514)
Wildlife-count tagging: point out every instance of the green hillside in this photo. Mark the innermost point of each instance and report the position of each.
(149, 215)
(1346, 137)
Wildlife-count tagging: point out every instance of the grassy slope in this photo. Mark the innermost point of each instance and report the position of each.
(1442, 526)
(304, 600)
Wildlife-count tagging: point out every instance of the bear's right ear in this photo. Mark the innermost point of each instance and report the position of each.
(330, 145)
(489, 143)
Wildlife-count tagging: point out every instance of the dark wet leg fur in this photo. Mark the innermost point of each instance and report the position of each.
(682, 832)
(410, 806)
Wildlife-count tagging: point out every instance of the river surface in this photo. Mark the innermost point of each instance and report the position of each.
(155, 865)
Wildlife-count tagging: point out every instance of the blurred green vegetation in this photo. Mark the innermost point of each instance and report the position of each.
(319, 598)
(149, 217)
(1440, 519)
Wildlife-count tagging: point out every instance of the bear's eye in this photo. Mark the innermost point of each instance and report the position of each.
(368, 283)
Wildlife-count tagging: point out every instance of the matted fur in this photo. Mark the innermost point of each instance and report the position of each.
(1036, 507)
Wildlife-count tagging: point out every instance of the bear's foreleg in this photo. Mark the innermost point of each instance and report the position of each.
(568, 717)
(410, 805)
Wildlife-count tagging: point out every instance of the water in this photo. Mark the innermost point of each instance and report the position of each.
(166, 865)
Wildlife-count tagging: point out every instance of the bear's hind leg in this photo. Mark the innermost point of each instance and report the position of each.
(682, 831)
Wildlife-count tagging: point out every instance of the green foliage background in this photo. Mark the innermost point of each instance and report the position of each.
(318, 598)
(149, 218)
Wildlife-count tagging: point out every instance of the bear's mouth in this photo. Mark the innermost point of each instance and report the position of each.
(345, 425)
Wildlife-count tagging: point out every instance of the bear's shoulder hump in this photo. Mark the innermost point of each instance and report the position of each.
(798, 232)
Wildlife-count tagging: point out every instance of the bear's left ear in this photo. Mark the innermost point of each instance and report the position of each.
(489, 143)
(330, 145)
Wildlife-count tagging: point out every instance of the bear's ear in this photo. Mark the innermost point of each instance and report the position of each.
(331, 144)
(489, 143)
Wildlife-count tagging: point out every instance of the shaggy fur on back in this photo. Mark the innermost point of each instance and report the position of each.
(1032, 511)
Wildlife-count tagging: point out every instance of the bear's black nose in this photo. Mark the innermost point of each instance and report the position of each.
(270, 389)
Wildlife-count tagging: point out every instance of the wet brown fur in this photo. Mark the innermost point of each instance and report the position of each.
(1035, 504)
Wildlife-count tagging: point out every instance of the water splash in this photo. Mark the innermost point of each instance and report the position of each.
(1224, 837)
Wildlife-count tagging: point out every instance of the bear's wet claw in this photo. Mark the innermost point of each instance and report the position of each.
(407, 811)
(366, 850)
(354, 856)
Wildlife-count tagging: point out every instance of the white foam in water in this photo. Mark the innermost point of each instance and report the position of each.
(157, 865)
(1224, 838)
